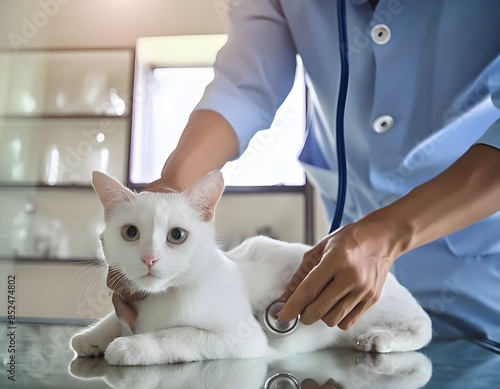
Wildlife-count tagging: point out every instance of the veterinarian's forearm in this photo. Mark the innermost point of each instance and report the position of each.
(463, 194)
(207, 143)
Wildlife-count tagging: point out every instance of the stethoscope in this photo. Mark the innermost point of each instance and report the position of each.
(270, 321)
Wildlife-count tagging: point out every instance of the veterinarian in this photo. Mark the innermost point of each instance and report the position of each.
(422, 138)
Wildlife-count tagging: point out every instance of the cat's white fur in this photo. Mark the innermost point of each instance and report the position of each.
(203, 303)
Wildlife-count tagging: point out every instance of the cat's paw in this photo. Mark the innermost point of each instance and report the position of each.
(378, 342)
(128, 351)
(89, 344)
(376, 363)
(411, 367)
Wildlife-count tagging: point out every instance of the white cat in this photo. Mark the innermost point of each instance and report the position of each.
(202, 303)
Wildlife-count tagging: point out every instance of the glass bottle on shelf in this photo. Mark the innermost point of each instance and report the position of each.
(35, 236)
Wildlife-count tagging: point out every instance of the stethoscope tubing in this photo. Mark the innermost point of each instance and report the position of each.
(340, 116)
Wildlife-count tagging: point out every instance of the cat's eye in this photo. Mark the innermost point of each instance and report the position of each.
(177, 235)
(130, 232)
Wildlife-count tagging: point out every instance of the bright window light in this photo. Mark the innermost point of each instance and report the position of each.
(164, 109)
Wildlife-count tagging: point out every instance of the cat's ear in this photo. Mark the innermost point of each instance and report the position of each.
(109, 190)
(205, 194)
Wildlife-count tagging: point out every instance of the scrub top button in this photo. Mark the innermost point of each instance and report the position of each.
(383, 124)
(381, 34)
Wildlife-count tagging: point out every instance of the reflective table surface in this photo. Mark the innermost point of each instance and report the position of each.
(43, 359)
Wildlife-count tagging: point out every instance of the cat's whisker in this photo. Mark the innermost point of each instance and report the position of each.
(86, 275)
(142, 293)
(90, 307)
(187, 282)
(120, 284)
(117, 282)
(80, 273)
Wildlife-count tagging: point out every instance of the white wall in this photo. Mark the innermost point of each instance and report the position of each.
(104, 23)
(58, 291)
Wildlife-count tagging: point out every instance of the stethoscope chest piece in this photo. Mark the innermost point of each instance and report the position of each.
(273, 325)
(281, 380)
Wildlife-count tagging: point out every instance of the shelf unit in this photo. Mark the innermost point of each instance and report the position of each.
(66, 116)
(72, 260)
(63, 113)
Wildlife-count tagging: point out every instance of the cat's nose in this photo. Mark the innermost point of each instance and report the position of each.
(149, 259)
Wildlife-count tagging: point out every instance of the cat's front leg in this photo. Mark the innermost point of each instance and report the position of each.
(184, 344)
(95, 340)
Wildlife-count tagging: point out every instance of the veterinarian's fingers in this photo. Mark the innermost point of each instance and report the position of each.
(351, 318)
(159, 185)
(341, 309)
(331, 295)
(310, 260)
(309, 383)
(124, 310)
(309, 289)
(304, 269)
(331, 384)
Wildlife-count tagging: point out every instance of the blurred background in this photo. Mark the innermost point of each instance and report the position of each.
(108, 85)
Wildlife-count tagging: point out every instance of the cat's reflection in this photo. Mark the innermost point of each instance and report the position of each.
(223, 374)
(339, 369)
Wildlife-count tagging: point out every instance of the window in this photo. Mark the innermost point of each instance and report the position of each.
(168, 96)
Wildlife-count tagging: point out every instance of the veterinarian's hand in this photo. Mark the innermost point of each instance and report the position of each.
(206, 144)
(309, 383)
(122, 298)
(342, 276)
(160, 185)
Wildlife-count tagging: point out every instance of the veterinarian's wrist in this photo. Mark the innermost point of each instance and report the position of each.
(206, 144)
(392, 232)
(468, 191)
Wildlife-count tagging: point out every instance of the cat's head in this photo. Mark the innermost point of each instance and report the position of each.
(158, 240)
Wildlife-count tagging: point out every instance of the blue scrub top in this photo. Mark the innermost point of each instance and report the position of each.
(424, 86)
